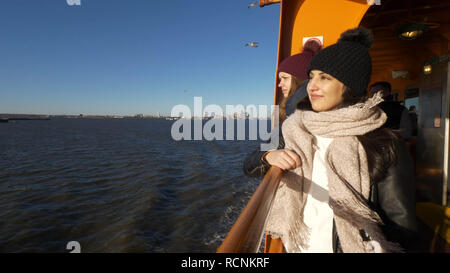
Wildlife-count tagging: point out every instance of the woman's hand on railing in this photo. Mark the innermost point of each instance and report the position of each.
(285, 159)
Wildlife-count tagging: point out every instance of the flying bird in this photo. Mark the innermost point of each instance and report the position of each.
(252, 44)
(252, 5)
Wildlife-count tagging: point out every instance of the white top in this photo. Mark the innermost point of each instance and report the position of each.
(318, 215)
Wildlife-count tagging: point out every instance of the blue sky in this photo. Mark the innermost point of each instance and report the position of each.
(123, 57)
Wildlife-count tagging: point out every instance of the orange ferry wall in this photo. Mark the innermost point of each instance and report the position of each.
(307, 18)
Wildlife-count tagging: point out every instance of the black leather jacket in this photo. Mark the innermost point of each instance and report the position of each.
(393, 197)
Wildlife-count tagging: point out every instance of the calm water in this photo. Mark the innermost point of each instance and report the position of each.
(117, 186)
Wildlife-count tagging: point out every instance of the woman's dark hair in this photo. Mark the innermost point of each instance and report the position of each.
(379, 144)
(384, 85)
(350, 98)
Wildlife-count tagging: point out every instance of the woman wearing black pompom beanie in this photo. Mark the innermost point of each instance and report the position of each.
(354, 189)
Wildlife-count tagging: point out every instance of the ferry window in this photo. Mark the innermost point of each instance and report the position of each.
(412, 102)
(411, 97)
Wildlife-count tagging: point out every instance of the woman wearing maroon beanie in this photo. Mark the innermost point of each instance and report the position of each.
(292, 73)
(293, 76)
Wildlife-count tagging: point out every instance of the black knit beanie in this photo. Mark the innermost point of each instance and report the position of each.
(348, 60)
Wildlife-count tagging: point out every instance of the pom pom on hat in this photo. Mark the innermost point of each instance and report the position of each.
(359, 35)
(313, 46)
(297, 64)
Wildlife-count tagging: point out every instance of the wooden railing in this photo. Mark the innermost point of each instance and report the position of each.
(246, 234)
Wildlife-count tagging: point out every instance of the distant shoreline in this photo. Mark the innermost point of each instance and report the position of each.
(49, 117)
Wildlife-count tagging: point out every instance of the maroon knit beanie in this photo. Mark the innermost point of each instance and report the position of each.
(297, 64)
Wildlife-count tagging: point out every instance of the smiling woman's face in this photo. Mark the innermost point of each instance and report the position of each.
(324, 91)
